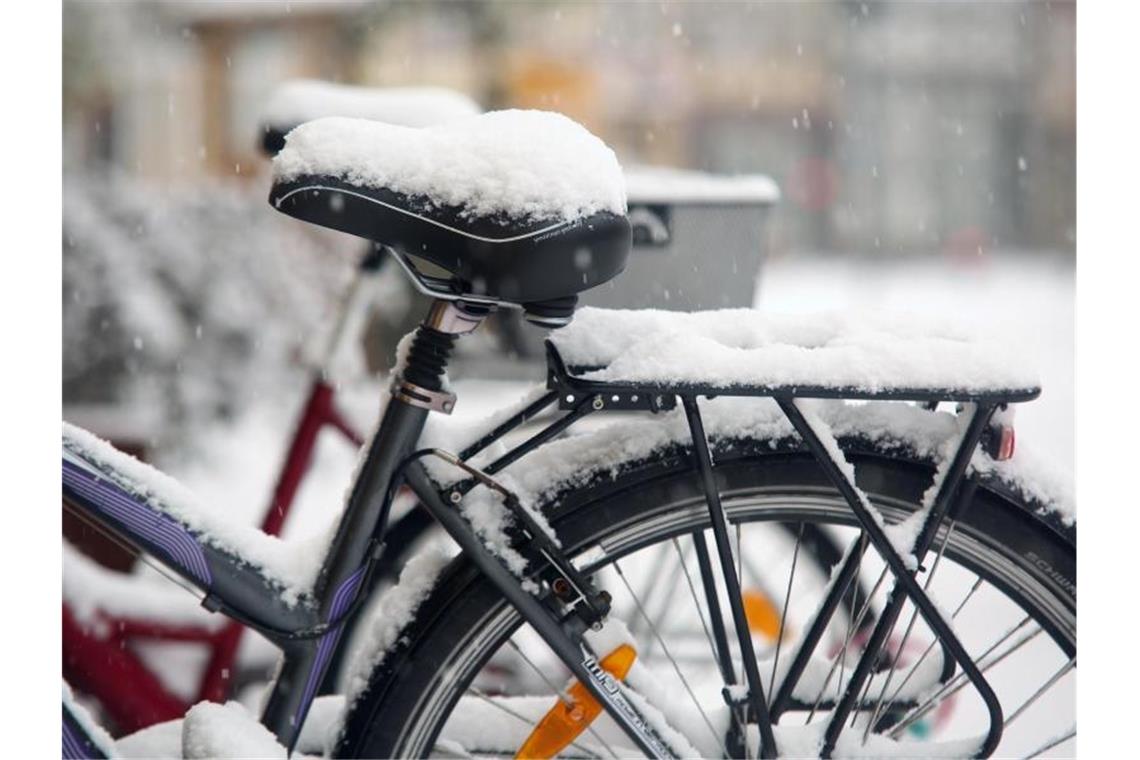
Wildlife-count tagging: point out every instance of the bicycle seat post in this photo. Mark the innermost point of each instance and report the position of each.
(417, 388)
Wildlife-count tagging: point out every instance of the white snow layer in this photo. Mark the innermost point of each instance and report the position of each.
(522, 164)
(299, 100)
(95, 732)
(292, 565)
(869, 351)
(210, 730)
(576, 458)
(659, 184)
(164, 741)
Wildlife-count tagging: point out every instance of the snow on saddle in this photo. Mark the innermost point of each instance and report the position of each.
(297, 101)
(746, 352)
(525, 207)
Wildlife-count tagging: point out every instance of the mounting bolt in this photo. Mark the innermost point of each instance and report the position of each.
(560, 587)
(455, 497)
(599, 403)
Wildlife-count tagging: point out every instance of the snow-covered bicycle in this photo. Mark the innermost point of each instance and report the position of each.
(833, 423)
(114, 622)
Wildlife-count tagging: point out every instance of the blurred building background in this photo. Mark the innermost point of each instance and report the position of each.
(900, 134)
(894, 128)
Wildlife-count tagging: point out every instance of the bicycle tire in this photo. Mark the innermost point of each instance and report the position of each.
(1026, 553)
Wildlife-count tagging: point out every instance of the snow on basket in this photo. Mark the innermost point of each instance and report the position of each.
(518, 164)
(861, 353)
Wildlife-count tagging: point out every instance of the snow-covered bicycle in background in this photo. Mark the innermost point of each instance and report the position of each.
(747, 422)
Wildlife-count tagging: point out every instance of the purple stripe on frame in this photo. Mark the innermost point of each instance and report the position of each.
(142, 520)
(342, 599)
(73, 745)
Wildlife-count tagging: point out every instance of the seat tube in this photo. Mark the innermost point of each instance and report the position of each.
(416, 389)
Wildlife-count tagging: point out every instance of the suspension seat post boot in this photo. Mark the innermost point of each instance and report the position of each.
(421, 380)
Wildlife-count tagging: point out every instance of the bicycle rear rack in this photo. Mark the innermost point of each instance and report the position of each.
(953, 487)
(579, 396)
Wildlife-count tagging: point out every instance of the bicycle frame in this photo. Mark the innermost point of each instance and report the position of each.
(104, 667)
(310, 633)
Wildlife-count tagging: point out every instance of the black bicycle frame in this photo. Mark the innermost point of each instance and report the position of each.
(309, 633)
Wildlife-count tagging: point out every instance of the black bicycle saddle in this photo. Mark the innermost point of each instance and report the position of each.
(511, 237)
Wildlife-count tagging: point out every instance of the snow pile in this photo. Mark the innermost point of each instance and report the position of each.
(292, 565)
(211, 731)
(659, 184)
(158, 742)
(299, 100)
(867, 351)
(166, 740)
(534, 165)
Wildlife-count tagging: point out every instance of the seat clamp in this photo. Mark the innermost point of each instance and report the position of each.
(415, 395)
(452, 318)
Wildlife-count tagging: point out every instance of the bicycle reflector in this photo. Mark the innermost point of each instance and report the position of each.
(574, 714)
(999, 442)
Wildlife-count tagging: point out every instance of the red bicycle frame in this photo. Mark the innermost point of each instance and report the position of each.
(105, 667)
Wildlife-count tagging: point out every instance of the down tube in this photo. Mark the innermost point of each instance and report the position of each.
(572, 654)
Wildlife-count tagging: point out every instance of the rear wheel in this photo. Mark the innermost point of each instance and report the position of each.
(467, 676)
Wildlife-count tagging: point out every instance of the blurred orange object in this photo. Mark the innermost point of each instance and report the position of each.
(763, 617)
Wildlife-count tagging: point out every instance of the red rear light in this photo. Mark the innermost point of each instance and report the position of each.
(1006, 441)
(999, 440)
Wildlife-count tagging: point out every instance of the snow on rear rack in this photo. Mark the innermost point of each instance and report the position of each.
(640, 359)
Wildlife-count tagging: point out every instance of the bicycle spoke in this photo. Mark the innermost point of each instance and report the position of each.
(736, 715)
(1041, 690)
(669, 656)
(930, 647)
(784, 614)
(955, 684)
(696, 601)
(1052, 743)
(649, 591)
(739, 555)
(558, 692)
(906, 635)
(862, 700)
(841, 656)
(654, 583)
(561, 694)
(528, 721)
